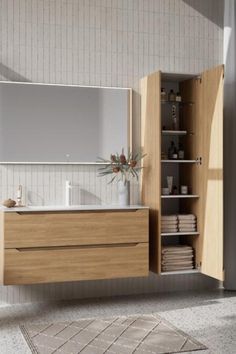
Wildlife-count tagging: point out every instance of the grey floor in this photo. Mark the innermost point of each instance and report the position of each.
(209, 317)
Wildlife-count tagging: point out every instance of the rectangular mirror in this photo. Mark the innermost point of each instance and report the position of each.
(61, 124)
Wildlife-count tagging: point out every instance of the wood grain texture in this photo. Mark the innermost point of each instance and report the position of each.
(151, 145)
(68, 229)
(211, 192)
(1, 246)
(44, 266)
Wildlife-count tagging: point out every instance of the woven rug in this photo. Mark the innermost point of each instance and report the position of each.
(143, 334)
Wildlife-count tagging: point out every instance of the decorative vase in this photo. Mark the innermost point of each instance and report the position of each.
(124, 192)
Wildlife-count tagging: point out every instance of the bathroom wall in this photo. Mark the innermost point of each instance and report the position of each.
(107, 43)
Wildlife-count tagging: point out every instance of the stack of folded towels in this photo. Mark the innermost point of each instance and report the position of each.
(174, 258)
(169, 223)
(178, 223)
(187, 223)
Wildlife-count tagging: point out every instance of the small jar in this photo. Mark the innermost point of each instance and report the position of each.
(184, 190)
(165, 191)
(178, 97)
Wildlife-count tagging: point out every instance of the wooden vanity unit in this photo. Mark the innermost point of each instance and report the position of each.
(69, 245)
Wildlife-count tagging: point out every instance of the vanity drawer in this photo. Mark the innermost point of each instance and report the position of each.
(74, 228)
(29, 266)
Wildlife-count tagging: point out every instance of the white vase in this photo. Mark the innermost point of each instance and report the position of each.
(124, 193)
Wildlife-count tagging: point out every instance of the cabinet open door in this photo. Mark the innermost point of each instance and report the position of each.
(210, 106)
(151, 177)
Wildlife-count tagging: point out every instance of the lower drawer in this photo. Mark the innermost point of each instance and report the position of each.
(44, 265)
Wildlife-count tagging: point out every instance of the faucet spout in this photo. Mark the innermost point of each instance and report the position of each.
(68, 193)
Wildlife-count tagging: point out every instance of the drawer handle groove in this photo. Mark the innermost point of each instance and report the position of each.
(50, 248)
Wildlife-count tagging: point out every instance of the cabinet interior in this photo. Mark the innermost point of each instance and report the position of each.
(183, 172)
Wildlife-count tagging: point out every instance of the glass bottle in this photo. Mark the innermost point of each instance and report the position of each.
(172, 150)
(172, 95)
(163, 95)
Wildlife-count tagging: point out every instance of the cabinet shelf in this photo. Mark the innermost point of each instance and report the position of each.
(173, 196)
(174, 132)
(177, 102)
(175, 272)
(179, 233)
(179, 161)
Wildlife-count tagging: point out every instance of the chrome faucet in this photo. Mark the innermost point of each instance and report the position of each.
(68, 193)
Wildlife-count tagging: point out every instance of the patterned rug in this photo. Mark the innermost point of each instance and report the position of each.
(143, 334)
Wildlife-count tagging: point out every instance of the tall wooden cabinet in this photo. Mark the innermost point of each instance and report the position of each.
(200, 132)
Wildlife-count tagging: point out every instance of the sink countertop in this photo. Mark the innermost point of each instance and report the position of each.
(28, 209)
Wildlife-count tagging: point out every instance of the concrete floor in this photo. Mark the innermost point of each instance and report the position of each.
(209, 317)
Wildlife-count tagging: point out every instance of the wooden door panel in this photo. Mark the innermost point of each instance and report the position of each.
(211, 192)
(151, 177)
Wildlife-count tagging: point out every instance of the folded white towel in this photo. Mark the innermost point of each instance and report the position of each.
(177, 256)
(169, 227)
(187, 222)
(176, 268)
(186, 217)
(187, 229)
(177, 248)
(174, 222)
(169, 217)
(177, 263)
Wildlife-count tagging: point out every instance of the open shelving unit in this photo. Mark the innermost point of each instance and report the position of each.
(178, 168)
(199, 130)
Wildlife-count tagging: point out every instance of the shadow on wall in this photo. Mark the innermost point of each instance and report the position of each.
(205, 7)
(11, 75)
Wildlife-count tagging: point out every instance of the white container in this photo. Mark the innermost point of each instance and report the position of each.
(124, 193)
(184, 189)
(165, 191)
(170, 183)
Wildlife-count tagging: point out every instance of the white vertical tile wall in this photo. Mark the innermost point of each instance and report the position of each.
(107, 43)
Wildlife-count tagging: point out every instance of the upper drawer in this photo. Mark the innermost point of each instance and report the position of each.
(74, 228)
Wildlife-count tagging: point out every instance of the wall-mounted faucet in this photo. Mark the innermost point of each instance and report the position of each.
(68, 193)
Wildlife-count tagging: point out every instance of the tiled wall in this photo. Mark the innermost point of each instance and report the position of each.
(107, 43)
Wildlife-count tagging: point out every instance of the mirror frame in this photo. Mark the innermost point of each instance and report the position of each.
(129, 123)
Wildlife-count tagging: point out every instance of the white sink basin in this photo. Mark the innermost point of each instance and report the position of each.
(44, 208)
